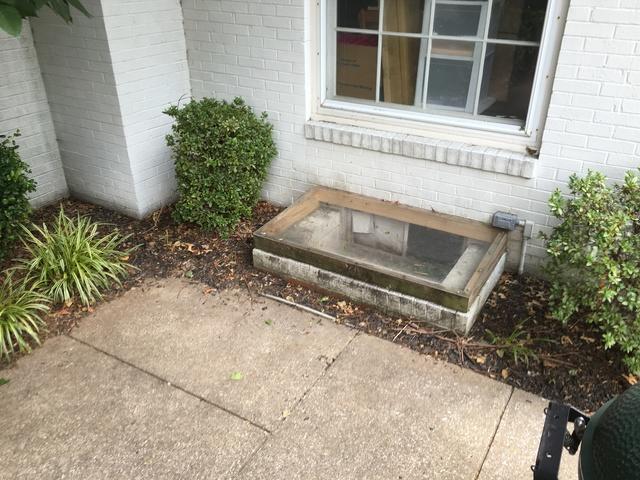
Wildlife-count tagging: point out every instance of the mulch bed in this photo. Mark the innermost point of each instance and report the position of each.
(565, 363)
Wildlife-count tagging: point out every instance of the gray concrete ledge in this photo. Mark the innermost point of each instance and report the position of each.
(424, 148)
(386, 300)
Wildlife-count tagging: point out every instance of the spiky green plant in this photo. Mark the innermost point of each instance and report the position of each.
(72, 260)
(20, 310)
(518, 345)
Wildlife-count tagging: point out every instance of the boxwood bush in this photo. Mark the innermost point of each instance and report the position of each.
(594, 266)
(15, 187)
(222, 153)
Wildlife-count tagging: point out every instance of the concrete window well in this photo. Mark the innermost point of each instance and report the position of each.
(431, 266)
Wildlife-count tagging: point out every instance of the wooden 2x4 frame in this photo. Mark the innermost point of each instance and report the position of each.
(270, 238)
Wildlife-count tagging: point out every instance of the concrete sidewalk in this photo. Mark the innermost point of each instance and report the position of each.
(170, 382)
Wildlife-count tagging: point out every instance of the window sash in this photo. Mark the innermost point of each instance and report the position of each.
(424, 111)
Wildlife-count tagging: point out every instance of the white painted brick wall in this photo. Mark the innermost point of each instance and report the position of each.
(23, 106)
(108, 79)
(149, 59)
(256, 50)
(81, 87)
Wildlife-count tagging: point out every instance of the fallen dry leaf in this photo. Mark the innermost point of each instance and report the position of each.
(631, 379)
(481, 359)
(345, 307)
(505, 373)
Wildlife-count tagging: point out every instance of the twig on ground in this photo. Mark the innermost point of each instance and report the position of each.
(297, 305)
(400, 332)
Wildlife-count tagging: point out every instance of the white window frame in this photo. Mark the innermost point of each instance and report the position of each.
(525, 138)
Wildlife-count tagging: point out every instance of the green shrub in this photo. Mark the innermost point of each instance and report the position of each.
(72, 260)
(222, 153)
(20, 310)
(14, 189)
(594, 267)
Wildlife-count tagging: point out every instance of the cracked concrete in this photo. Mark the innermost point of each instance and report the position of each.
(170, 382)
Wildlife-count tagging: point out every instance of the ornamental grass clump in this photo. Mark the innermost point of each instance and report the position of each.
(15, 186)
(594, 266)
(72, 260)
(222, 153)
(21, 308)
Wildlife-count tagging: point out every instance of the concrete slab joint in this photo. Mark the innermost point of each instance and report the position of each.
(116, 400)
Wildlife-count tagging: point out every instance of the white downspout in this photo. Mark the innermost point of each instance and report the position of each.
(527, 231)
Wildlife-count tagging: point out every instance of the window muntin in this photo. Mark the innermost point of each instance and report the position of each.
(447, 58)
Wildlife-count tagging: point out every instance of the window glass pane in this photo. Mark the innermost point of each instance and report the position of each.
(507, 81)
(358, 14)
(518, 19)
(406, 16)
(452, 74)
(356, 65)
(460, 20)
(454, 48)
(399, 69)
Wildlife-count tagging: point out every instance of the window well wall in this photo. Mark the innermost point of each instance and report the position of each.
(433, 257)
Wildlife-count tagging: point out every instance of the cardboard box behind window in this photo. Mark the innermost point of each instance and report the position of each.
(356, 63)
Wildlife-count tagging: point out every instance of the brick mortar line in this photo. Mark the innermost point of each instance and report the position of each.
(495, 433)
(170, 384)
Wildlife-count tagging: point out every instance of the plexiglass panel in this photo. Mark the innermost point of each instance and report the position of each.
(356, 65)
(413, 47)
(518, 19)
(389, 244)
(399, 69)
(451, 73)
(363, 14)
(407, 16)
(464, 19)
(507, 81)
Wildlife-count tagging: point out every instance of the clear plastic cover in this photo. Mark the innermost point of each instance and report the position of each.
(395, 246)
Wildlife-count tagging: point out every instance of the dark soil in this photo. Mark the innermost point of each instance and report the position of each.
(543, 357)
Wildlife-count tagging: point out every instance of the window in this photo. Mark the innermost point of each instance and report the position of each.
(437, 59)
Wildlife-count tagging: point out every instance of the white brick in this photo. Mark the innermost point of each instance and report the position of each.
(587, 29)
(616, 15)
(257, 49)
(628, 32)
(608, 145)
(109, 120)
(625, 133)
(26, 109)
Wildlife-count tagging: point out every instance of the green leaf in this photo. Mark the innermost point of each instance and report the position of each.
(222, 153)
(237, 376)
(3, 381)
(61, 7)
(10, 20)
(79, 6)
(26, 8)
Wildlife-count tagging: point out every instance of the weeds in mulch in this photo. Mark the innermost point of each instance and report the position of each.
(514, 340)
(519, 345)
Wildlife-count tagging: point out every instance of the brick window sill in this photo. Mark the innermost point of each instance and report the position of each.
(444, 151)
